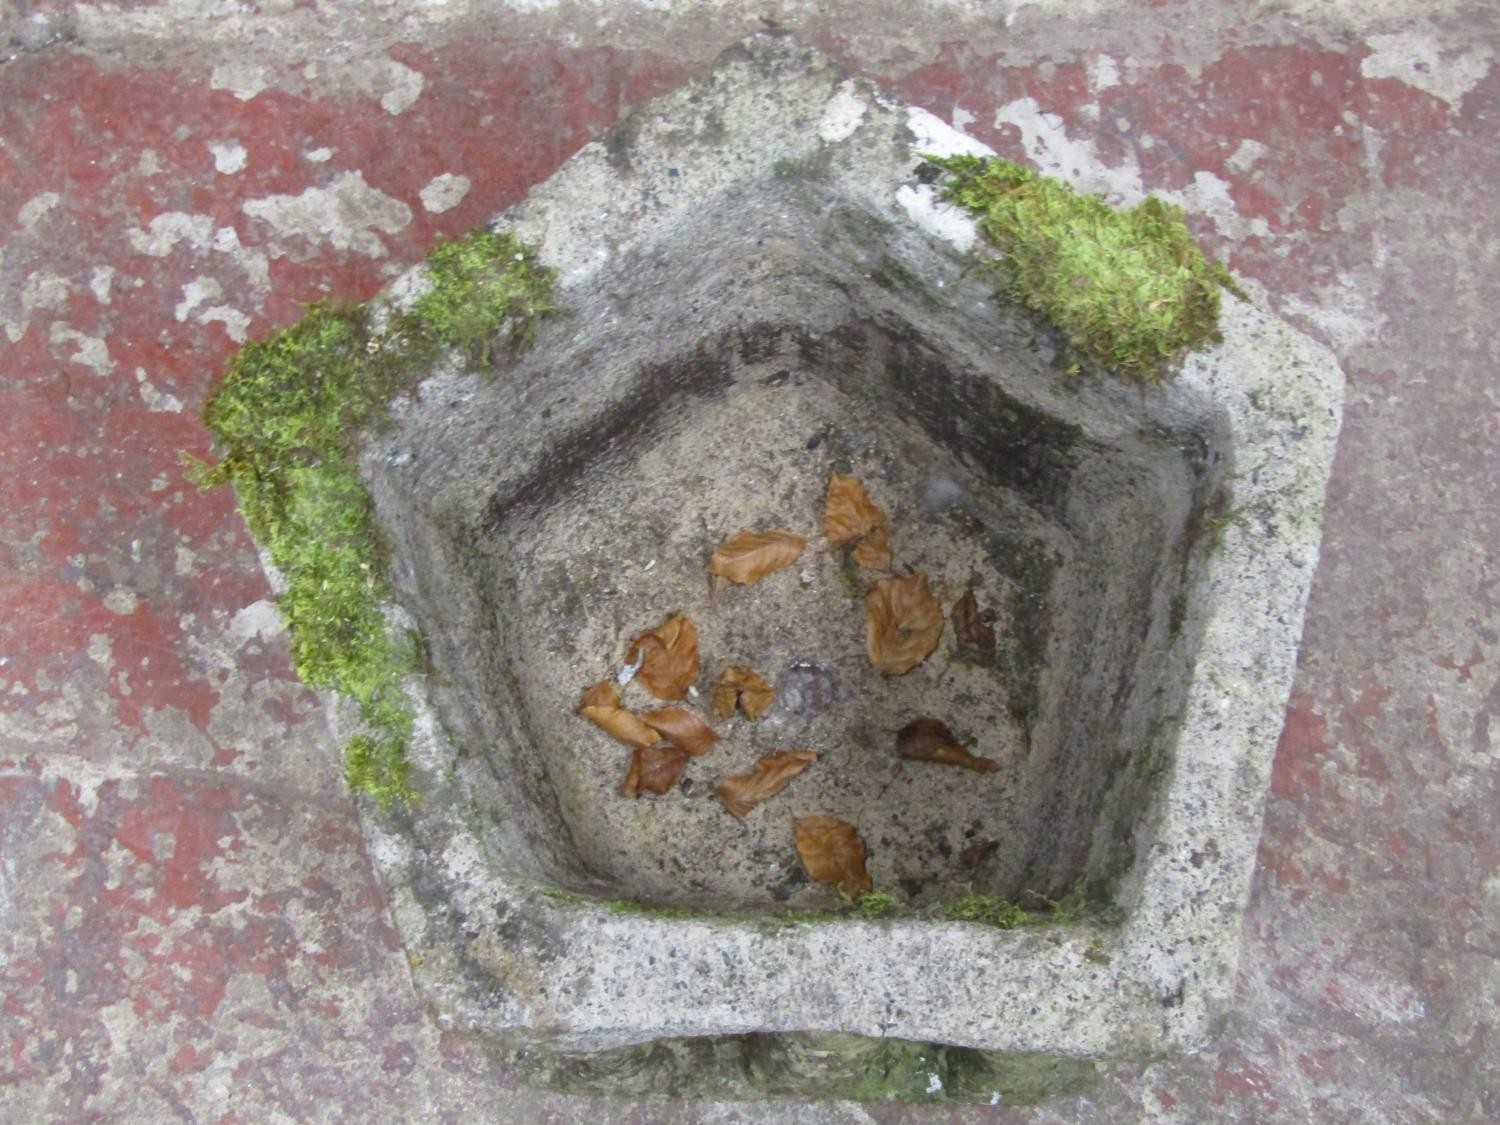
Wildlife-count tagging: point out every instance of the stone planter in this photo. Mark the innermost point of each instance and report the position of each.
(758, 290)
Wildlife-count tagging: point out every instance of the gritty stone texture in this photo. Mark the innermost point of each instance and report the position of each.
(738, 275)
(1369, 983)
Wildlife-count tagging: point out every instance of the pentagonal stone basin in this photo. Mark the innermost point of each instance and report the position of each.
(758, 292)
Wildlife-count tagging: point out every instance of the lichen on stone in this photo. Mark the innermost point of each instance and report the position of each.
(1129, 290)
(287, 418)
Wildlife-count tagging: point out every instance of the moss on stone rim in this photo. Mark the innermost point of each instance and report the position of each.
(287, 416)
(1130, 290)
(810, 1065)
(1088, 903)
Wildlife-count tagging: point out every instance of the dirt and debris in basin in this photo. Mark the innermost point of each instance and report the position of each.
(629, 547)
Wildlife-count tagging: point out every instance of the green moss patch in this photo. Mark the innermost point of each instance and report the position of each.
(286, 418)
(1130, 291)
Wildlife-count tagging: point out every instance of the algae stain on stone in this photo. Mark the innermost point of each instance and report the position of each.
(814, 1066)
(286, 419)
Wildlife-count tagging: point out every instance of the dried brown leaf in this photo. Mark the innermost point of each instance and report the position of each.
(975, 854)
(768, 777)
(751, 555)
(683, 729)
(832, 852)
(601, 706)
(739, 685)
(670, 654)
(848, 512)
(873, 552)
(975, 631)
(654, 769)
(928, 740)
(904, 623)
(602, 694)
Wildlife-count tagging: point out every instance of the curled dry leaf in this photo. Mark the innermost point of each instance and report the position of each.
(848, 512)
(682, 729)
(928, 740)
(654, 769)
(832, 852)
(601, 706)
(904, 623)
(975, 631)
(873, 552)
(740, 686)
(768, 777)
(751, 555)
(668, 656)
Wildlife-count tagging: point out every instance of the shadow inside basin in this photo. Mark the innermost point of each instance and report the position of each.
(599, 513)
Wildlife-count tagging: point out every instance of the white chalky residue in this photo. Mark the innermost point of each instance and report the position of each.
(236, 324)
(100, 649)
(319, 155)
(157, 402)
(962, 118)
(345, 214)
(194, 293)
(1414, 57)
(1103, 73)
(1343, 312)
(167, 230)
(160, 402)
(255, 263)
(1078, 163)
(229, 156)
(242, 79)
(42, 291)
(100, 282)
(931, 135)
(257, 620)
(1208, 195)
(843, 114)
(36, 208)
(937, 217)
(405, 87)
(92, 351)
(1048, 146)
(445, 192)
(121, 600)
(1245, 156)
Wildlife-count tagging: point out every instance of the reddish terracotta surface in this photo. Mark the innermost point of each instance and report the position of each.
(189, 925)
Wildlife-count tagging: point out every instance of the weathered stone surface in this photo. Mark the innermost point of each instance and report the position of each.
(747, 265)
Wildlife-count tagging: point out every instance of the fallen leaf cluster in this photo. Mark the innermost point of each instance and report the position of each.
(849, 516)
(904, 622)
(666, 660)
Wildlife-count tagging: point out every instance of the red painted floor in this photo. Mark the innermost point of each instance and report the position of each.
(189, 925)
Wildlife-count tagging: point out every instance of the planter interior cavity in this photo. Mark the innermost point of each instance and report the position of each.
(757, 291)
